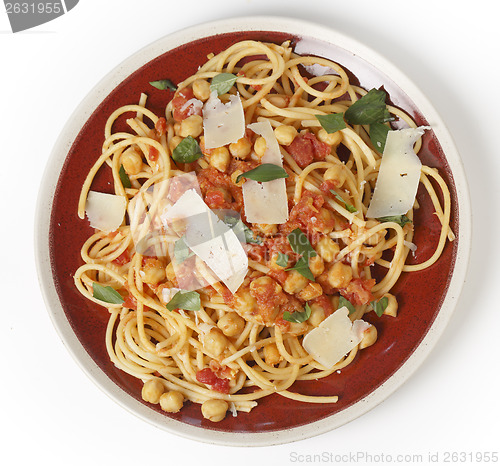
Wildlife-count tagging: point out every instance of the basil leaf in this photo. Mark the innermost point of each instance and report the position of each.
(380, 306)
(300, 244)
(164, 84)
(187, 151)
(345, 302)
(240, 228)
(263, 173)
(106, 294)
(282, 259)
(222, 83)
(187, 300)
(369, 109)
(182, 251)
(339, 198)
(124, 178)
(401, 220)
(298, 317)
(332, 123)
(378, 135)
(302, 266)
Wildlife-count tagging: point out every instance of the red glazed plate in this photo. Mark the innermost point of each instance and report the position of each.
(426, 298)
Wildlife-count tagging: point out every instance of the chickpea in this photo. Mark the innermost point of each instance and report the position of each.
(132, 161)
(260, 146)
(285, 134)
(191, 126)
(273, 265)
(316, 265)
(241, 148)
(214, 342)
(339, 275)
(154, 272)
(280, 101)
(174, 142)
(311, 291)
(245, 302)
(267, 229)
(392, 306)
(337, 173)
(234, 177)
(377, 237)
(369, 337)
(272, 355)
(172, 401)
(231, 324)
(201, 89)
(219, 158)
(317, 315)
(214, 410)
(326, 216)
(327, 249)
(170, 272)
(152, 390)
(294, 282)
(332, 139)
(261, 283)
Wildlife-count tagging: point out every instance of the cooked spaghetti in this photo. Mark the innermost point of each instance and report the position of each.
(229, 348)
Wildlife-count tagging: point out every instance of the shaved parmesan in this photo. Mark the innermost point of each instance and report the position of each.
(105, 211)
(266, 202)
(210, 239)
(223, 123)
(399, 175)
(334, 338)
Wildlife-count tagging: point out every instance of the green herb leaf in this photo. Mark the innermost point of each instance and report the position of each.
(339, 198)
(345, 302)
(182, 251)
(332, 123)
(300, 244)
(380, 305)
(124, 178)
(106, 294)
(187, 151)
(239, 228)
(369, 109)
(222, 83)
(401, 220)
(187, 300)
(302, 266)
(282, 259)
(263, 173)
(164, 84)
(378, 135)
(298, 317)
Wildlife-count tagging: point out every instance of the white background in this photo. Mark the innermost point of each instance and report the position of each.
(51, 411)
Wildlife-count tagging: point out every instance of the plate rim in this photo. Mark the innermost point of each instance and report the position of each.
(95, 97)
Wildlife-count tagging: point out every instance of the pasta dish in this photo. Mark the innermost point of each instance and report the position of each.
(237, 249)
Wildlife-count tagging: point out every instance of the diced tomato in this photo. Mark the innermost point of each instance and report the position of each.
(161, 126)
(327, 185)
(306, 147)
(215, 199)
(359, 291)
(306, 214)
(153, 154)
(208, 377)
(180, 110)
(325, 303)
(123, 258)
(130, 302)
